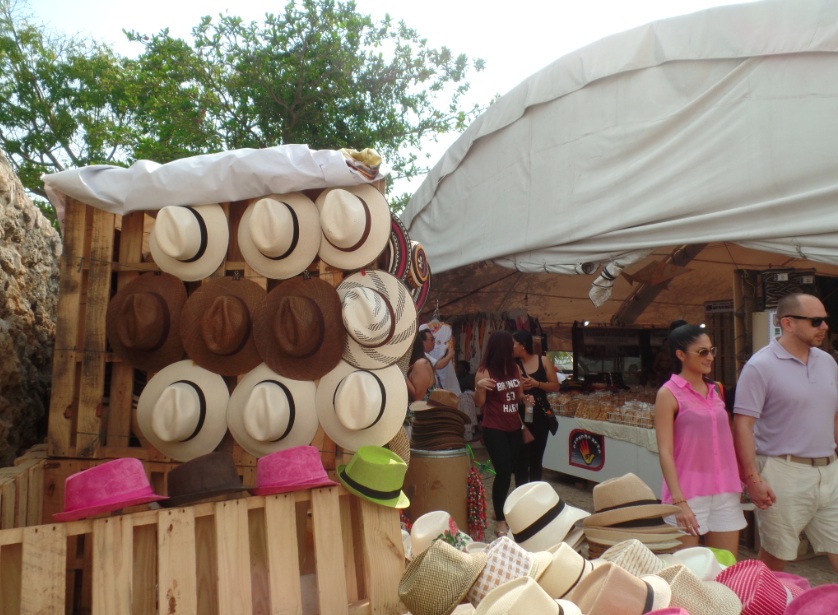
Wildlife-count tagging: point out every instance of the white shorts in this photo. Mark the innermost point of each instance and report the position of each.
(716, 513)
(807, 500)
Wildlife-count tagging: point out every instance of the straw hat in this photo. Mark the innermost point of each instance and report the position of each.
(143, 321)
(440, 399)
(759, 590)
(182, 410)
(523, 596)
(611, 590)
(699, 597)
(190, 242)
(104, 488)
(298, 329)
(379, 318)
(701, 560)
(279, 235)
(357, 406)
(376, 474)
(202, 478)
(395, 259)
(419, 271)
(658, 543)
(538, 518)
(436, 581)
(268, 412)
(356, 225)
(292, 469)
(635, 557)
(821, 600)
(625, 498)
(505, 561)
(400, 444)
(432, 525)
(217, 325)
(565, 570)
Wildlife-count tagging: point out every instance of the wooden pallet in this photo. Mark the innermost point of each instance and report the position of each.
(21, 490)
(318, 551)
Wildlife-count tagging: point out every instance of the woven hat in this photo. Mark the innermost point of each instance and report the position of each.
(565, 570)
(217, 325)
(104, 488)
(635, 557)
(440, 399)
(625, 498)
(268, 412)
(400, 444)
(202, 478)
(759, 590)
(433, 525)
(672, 610)
(419, 271)
(279, 235)
(505, 561)
(356, 225)
(182, 410)
(538, 518)
(611, 590)
(821, 600)
(701, 560)
(143, 321)
(291, 469)
(376, 474)
(379, 318)
(699, 597)
(436, 581)
(298, 329)
(358, 406)
(523, 596)
(190, 242)
(395, 259)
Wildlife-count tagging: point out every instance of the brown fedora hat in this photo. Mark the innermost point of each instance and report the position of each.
(217, 325)
(299, 329)
(143, 321)
(202, 478)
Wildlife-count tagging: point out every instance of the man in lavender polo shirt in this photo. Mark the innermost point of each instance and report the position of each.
(785, 434)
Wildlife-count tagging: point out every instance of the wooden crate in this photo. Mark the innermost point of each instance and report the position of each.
(22, 489)
(317, 551)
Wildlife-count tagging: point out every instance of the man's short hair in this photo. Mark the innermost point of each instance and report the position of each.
(790, 304)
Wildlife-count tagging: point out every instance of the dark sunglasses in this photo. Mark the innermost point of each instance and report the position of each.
(703, 352)
(816, 321)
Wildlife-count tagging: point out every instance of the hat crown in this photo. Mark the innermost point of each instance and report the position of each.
(178, 232)
(529, 501)
(368, 316)
(377, 468)
(625, 490)
(285, 469)
(564, 570)
(359, 400)
(267, 414)
(226, 325)
(610, 589)
(203, 477)
(344, 218)
(298, 326)
(521, 596)
(177, 412)
(273, 227)
(143, 322)
(442, 397)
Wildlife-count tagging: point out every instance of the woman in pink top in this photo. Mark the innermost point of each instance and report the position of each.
(695, 445)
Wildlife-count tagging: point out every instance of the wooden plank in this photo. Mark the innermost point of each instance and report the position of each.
(233, 558)
(328, 551)
(353, 558)
(283, 563)
(206, 553)
(43, 569)
(144, 594)
(383, 555)
(8, 502)
(89, 424)
(35, 507)
(258, 544)
(63, 393)
(113, 563)
(177, 576)
(10, 574)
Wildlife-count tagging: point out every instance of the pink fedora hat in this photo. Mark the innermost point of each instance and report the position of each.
(821, 600)
(104, 488)
(759, 590)
(292, 469)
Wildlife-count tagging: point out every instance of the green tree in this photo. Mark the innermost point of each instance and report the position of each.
(319, 73)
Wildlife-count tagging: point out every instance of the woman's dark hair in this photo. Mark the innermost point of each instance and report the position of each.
(524, 338)
(498, 359)
(679, 339)
(418, 350)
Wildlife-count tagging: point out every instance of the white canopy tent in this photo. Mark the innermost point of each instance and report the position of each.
(717, 128)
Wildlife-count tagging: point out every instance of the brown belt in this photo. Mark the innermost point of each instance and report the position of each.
(809, 461)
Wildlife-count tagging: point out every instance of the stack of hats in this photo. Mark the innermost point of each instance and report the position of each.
(625, 508)
(438, 423)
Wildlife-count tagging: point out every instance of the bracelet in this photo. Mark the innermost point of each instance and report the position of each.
(681, 501)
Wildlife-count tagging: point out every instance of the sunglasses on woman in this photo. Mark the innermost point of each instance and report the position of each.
(703, 352)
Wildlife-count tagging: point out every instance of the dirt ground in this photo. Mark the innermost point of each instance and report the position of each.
(576, 492)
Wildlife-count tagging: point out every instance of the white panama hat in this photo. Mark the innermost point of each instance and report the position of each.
(356, 225)
(190, 242)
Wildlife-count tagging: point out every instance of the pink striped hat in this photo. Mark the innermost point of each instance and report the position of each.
(760, 591)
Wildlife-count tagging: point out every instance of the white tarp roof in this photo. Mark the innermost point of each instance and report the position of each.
(720, 126)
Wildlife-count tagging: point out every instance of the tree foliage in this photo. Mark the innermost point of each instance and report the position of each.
(318, 73)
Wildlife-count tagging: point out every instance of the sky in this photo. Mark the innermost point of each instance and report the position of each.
(515, 40)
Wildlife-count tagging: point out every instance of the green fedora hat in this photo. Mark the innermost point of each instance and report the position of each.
(376, 474)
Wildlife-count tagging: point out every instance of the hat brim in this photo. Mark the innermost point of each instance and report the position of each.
(404, 312)
(218, 237)
(631, 513)
(305, 417)
(323, 358)
(89, 511)
(379, 434)
(288, 488)
(214, 427)
(171, 289)
(420, 295)
(303, 253)
(376, 240)
(555, 531)
(605, 536)
(247, 357)
(400, 501)
(193, 498)
(396, 256)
